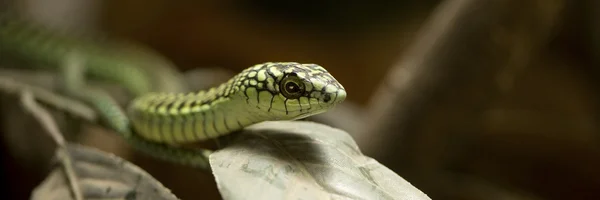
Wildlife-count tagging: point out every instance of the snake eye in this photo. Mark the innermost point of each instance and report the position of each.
(291, 87)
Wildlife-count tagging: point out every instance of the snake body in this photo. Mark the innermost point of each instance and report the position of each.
(138, 69)
(269, 91)
(160, 113)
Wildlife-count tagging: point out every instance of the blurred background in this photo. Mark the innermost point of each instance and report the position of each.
(466, 99)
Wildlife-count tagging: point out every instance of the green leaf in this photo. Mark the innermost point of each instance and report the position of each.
(303, 160)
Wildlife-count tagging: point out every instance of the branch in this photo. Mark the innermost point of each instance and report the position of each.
(49, 124)
(463, 42)
(11, 86)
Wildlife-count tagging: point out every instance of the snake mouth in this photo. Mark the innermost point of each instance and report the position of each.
(299, 115)
(301, 108)
(306, 111)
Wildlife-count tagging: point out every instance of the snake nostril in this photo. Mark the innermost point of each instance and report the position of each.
(327, 98)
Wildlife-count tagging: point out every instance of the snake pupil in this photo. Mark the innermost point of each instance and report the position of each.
(292, 87)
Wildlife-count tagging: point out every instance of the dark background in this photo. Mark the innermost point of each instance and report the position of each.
(495, 100)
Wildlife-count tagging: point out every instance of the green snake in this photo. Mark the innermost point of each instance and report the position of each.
(162, 115)
(269, 91)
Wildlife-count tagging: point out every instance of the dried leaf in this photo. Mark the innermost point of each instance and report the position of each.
(101, 176)
(303, 160)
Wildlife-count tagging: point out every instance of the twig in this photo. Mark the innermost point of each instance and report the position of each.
(65, 104)
(464, 41)
(412, 82)
(44, 117)
(28, 94)
(48, 123)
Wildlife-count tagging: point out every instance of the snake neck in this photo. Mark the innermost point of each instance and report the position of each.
(169, 117)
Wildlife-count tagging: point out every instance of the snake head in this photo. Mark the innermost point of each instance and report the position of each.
(289, 90)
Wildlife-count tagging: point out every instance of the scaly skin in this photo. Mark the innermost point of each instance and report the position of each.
(161, 116)
(257, 94)
(140, 70)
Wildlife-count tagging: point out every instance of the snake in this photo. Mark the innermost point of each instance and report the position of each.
(162, 113)
(264, 92)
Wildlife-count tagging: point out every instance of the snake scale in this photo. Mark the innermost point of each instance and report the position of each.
(161, 114)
